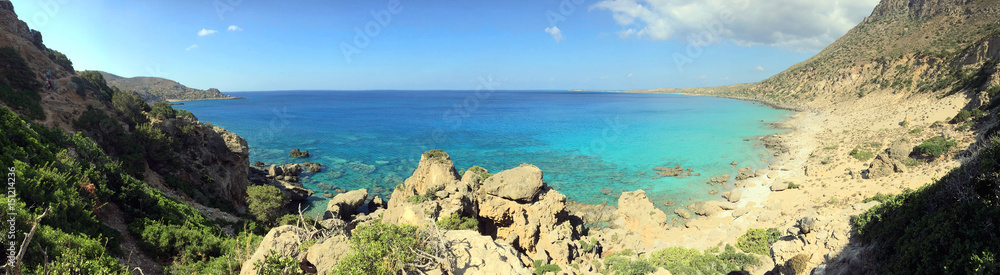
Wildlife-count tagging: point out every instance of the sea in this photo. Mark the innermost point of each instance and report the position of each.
(591, 146)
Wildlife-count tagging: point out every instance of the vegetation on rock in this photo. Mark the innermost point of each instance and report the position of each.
(758, 240)
(265, 202)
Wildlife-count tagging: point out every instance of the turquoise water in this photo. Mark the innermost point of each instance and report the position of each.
(583, 141)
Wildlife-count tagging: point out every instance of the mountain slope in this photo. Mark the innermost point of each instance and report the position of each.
(155, 89)
(905, 47)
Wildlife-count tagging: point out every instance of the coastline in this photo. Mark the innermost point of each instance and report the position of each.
(203, 99)
(832, 188)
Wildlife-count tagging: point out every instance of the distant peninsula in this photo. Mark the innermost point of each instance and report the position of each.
(155, 89)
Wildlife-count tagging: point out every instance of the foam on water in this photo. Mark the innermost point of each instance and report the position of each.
(582, 141)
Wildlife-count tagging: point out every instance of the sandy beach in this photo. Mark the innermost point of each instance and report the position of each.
(831, 188)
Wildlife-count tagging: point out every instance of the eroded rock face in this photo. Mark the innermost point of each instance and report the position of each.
(744, 173)
(541, 228)
(284, 240)
(477, 254)
(636, 213)
(344, 205)
(522, 184)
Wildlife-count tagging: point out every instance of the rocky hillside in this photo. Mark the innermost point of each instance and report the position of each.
(155, 89)
(905, 47)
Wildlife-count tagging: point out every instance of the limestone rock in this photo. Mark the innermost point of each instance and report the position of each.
(592, 213)
(476, 254)
(284, 240)
(744, 173)
(326, 254)
(779, 186)
(538, 228)
(727, 205)
(682, 213)
(521, 184)
(735, 195)
(806, 224)
(900, 150)
(344, 205)
(636, 213)
(883, 166)
(436, 183)
(376, 203)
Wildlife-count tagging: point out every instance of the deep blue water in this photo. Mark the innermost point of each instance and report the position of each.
(583, 141)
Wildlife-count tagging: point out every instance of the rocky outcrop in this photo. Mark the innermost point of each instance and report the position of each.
(217, 163)
(344, 205)
(899, 150)
(477, 254)
(522, 184)
(541, 228)
(883, 166)
(283, 240)
(295, 153)
(637, 214)
(434, 190)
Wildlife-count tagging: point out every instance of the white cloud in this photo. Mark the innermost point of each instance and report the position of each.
(629, 75)
(758, 68)
(204, 32)
(555, 33)
(804, 25)
(703, 76)
(234, 28)
(192, 47)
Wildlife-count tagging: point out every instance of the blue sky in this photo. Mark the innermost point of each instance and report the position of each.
(242, 45)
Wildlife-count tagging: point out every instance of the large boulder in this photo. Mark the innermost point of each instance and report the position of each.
(344, 205)
(284, 240)
(522, 184)
(900, 150)
(883, 166)
(477, 254)
(636, 213)
(542, 228)
(327, 253)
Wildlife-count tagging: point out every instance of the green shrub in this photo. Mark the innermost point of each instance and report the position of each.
(680, 260)
(28, 102)
(622, 265)
(480, 171)
(798, 263)
(131, 105)
(16, 72)
(912, 162)
(457, 222)
(862, 155)
(588, 246)
(879, 197)
(962, 116)
(833, 147)
(758, 240)
(543, 269)
(61, 59)
(162, 110)
(380, 248)
(792, 185)
(275, 264)
(916, 131)
(436, 154)
(265, 202)
(935, 146)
